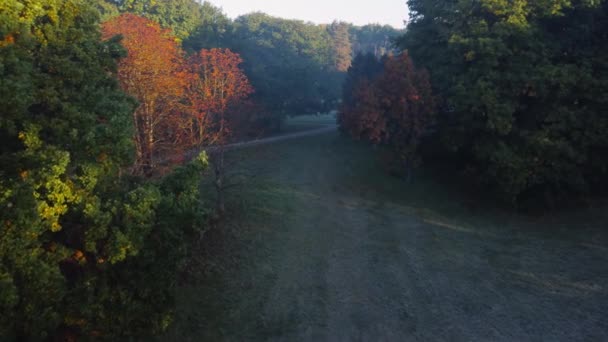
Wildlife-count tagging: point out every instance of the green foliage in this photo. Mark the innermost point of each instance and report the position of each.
(522, 84)
(84, 250)
(373, 38)
(183, 17)
(286, 61)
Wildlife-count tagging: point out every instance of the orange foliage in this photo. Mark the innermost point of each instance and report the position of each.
(215, 84)
(152, 73)
(395, 109)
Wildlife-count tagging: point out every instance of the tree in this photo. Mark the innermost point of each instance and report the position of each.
(183, 17)
(85, 250)
(388, 104)
(288, 62)
(341, 46)
(408, 106)
(152, 73)
(216, 85)
(373, 38)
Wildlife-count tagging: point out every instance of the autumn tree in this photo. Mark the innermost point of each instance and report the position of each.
(216, 85)
(388, 104)
(152, 72)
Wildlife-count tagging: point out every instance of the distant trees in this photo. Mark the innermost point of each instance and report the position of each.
(378, 40)
(183, 17)
(389, 103)
(341, 45)
(287, 61)
(295, 67)
(523, 90)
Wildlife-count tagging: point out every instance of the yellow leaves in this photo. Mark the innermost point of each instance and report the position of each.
(30, 137)
(24, 174)
(469, 56)
(55, 227)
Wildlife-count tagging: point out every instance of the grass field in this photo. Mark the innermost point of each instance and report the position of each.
(321, 244)
(308, 122)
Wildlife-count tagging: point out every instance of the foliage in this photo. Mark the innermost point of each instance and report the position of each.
(522, 87)
(152, 73)
(388, 103)
(373, 38)
(84, 249)
(183, 17)
(286, 61)
(216, 84)
(341, 45)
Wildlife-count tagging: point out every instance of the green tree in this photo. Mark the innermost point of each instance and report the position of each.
(373, 38)
(84, 249)
(183, 17)
(520, 85)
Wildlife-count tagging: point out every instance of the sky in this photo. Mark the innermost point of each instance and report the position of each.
(358, 12)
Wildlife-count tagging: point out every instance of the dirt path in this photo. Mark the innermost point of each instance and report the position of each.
(264, 141)
(333, 250)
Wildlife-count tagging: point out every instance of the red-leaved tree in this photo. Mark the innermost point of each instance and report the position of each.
(394, 109)
(216, 84)
(151, 72)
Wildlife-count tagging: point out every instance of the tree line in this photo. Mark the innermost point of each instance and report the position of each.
(519, 92)
(295, 67)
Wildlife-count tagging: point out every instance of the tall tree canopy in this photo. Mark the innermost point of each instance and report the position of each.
(152, 72)
(523, 87)
(183, 17)
(84, 249)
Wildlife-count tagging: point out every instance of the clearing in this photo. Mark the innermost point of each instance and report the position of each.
(323, 245)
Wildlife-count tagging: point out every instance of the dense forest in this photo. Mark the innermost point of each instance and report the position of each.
(518, 103)
(103, 103)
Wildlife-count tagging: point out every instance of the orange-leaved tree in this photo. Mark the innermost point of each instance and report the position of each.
(408, 106)
(151, 72)
(216, 84)
(394, 108)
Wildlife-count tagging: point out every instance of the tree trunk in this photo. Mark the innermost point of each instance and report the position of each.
(219, 183)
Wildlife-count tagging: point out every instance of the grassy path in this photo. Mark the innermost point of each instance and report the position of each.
(326, 247)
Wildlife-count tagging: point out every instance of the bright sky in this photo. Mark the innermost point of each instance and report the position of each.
(359, 12)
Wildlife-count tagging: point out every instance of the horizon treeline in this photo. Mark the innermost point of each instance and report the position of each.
(295, 67)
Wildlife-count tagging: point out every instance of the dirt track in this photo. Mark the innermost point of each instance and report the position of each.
(332, 253)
